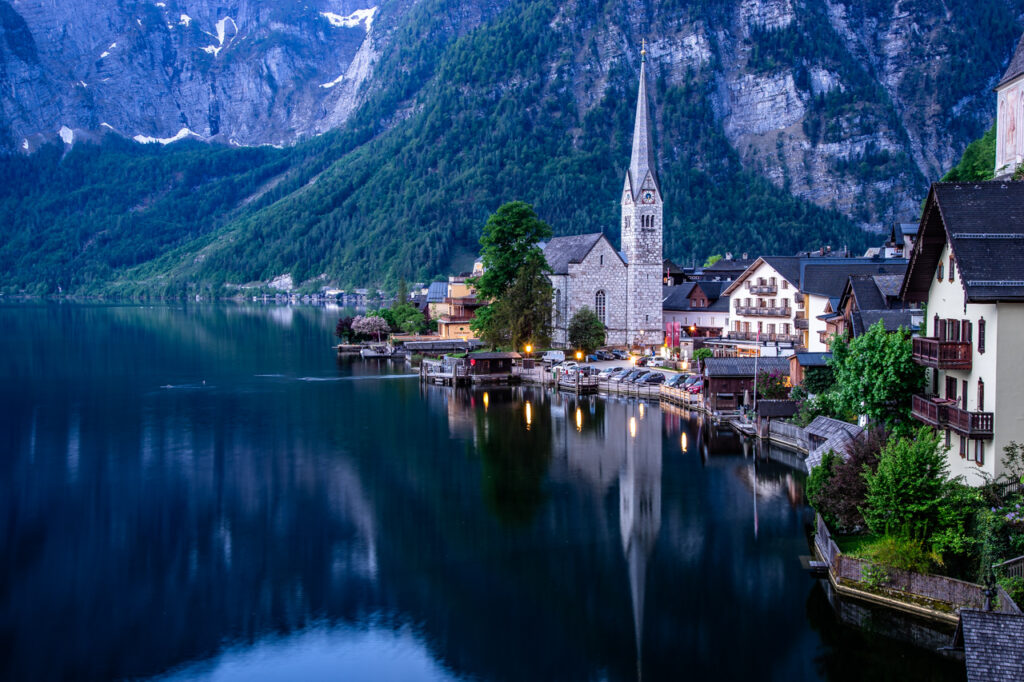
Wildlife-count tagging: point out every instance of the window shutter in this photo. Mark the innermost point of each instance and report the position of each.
(981, 395)
(981, 335)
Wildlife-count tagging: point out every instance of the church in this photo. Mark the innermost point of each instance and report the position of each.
(622, 286)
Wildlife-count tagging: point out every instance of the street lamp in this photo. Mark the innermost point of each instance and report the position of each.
(579, 355)
(529, 349)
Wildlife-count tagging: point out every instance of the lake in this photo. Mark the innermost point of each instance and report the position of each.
(208, 493)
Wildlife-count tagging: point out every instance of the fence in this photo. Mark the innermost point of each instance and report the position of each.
(790, 434)
(1014, 568)
(899, 584)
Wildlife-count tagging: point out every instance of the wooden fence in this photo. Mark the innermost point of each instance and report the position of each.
(1014, 568)
(904, 585)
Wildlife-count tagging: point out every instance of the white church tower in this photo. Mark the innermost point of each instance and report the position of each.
(642, 207)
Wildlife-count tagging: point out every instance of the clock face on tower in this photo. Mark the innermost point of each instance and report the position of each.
(647, 197)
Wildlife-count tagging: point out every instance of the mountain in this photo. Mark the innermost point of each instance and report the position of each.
(780, 125)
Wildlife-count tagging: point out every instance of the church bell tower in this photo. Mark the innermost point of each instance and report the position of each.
(642, 207)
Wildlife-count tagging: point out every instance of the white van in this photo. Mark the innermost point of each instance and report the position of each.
(553, 356)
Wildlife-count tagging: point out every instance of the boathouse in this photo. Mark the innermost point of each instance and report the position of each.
(729, 382)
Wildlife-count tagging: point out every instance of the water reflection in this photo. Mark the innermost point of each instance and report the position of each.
(298, 512)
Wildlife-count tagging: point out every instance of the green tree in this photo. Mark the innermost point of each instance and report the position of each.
(508, 241)
(905, 494)
(522, 314)
(402, 295)
(819, 380)
(407, 318)
(702, 354)
(586, 331)
(712, 260)
(876, 375)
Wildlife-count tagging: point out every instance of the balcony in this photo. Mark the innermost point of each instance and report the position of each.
(764, 311)
(764, 289)
(930, 409)
(976, 425)
(931, 352)
(799, 298)
(766, 337)
(800, 323)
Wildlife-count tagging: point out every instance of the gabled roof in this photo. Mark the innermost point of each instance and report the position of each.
(984, 224)
(787, 266)
(892, 320)
(437, 292)
(812, 359)
(677, 297)
(713, 290)
(561, 251)
(993, 645)
(828, 277)
(865, 292)
(1016, 67)
(744, 367)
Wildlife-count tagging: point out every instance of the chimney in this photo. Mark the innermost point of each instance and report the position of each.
(728, 255)
(744, 255)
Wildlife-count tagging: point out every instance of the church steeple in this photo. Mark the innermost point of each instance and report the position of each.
(641, 161)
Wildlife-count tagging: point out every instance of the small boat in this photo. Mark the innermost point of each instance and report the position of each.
(381, 350)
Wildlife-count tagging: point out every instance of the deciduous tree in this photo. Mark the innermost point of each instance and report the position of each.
(586, 331)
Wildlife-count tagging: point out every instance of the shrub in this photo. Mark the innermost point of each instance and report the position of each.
(905, 554)
(846, 491)
(817, 483)
(904, 495)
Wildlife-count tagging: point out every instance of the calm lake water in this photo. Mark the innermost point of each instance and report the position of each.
(208, 493)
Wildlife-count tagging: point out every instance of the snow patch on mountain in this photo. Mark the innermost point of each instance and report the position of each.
(352, 20)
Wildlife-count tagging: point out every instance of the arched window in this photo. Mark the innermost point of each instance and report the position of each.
(599, 306)
(558, 305)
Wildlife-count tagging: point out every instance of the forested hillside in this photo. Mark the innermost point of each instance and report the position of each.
(768, 142)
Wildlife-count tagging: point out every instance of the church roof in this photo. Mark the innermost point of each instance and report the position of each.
(561, 251)
(641, 161)
(1016, 67)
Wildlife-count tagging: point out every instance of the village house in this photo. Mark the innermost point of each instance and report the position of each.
(764, 304)
(968, 267)
(868, 299)
(456, 312)
(694, 310)
(822, 281)
(729, 382)
(622, 287)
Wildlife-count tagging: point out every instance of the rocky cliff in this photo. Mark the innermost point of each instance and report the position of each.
(780, 124)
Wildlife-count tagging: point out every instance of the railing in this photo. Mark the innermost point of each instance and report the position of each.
(1014, 568)
(764, 311)
(801, 323)
(450, 319)
(799, 298)
(931, 352)
(765, 337)
(929, 409)
(970, 424)
(764, 289)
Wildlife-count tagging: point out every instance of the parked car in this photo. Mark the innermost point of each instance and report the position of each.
(632, 376)
(608, 372)
(604, 355)
(652, 378)
(640, 361)
(587, 370)
(619, 354)
(621, 375)
(696, 387)
(675, 380)
(640, 377)
(553, 356)
(656, 362)
(691, 380)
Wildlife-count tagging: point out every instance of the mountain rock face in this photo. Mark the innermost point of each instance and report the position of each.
(779, 124)
(239, 71)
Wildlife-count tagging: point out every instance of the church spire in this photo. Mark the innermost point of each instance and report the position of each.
(641, 161)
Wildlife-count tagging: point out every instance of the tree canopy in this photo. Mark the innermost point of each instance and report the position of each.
(509, 240)
(586, 331)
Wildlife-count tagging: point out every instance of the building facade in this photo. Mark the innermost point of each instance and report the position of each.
(622, 287)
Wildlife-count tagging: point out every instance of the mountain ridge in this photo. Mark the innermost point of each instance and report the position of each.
(779, 125)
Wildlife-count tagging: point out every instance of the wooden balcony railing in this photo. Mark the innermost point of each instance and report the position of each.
(931, 352)
(763, 310)
(971, 424)
(931, 410)
(764, 289)
(800, 323)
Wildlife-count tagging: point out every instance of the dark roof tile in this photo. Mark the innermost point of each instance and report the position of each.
(993, 645)
(561, 251)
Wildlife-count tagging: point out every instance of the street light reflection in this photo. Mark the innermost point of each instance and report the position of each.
(632, 427)
(579, 419)
(682, 441)
(529, 414)
(487, 400)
